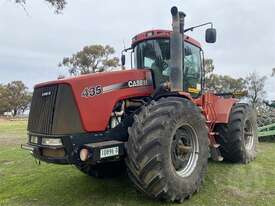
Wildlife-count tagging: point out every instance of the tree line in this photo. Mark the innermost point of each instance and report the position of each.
(253, 84)
(14, 98)
(58, 5)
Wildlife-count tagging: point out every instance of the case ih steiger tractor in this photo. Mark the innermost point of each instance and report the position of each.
(156, 119)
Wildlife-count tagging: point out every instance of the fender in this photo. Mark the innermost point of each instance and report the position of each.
(216, 108)
(223, 108)
(162, 92)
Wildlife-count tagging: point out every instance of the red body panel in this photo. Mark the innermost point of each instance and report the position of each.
(95, 111)
(216, 108)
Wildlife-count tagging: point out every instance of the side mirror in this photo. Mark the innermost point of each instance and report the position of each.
(123, 59)
(210, 35)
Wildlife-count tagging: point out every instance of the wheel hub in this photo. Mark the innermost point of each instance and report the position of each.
(248, 135)
(185, 149)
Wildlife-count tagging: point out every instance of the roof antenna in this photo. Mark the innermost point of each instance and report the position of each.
(124, 47)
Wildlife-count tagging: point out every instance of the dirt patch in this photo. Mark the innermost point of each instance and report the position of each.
(6, 162)
(3, 120)
(236, 192)
(8, 140)
(7, 119)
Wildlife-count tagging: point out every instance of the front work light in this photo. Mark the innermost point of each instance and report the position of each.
(34, 139)
(52, 141)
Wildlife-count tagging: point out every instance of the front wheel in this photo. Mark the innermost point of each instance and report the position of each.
(168, 149)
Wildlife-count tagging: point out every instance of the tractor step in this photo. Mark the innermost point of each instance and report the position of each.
(216, 154)
(214, 133)
(216, 146)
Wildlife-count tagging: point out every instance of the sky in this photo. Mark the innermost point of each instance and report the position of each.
(33, 42)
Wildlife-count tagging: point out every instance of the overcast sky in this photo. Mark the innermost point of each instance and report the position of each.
(32, 45)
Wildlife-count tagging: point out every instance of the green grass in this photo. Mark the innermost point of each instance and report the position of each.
(23, 182)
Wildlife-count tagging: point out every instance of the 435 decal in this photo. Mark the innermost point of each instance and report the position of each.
(92, 91)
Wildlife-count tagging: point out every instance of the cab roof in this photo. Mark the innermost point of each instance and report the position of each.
(158, 34)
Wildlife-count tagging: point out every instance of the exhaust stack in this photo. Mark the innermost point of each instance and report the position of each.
(176, 50)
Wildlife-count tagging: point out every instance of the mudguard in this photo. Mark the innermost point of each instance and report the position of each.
(216, 108)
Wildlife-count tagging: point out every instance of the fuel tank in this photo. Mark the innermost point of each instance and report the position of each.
(84, 103)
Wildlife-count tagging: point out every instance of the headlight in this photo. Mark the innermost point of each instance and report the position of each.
(52, 141)
(34, 139)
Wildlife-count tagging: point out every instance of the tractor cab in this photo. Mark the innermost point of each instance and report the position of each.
(152, 51)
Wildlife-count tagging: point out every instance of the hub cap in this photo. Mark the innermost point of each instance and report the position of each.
(185, 150)
(248, 135)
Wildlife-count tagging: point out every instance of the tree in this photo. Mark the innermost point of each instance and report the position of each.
(58, 5)
(221, 83)
(94, 58)
(273, 72)
(255, 85)
(15, 97)
(208, 66)
(265, 114)
(4, 104)
(224, 83)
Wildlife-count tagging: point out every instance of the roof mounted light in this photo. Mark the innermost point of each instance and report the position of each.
(149, 34)
(134, 38)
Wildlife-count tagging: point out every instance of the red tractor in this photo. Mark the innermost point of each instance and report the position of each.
(156, 119)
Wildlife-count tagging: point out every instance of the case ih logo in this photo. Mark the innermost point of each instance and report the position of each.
(45, 94)
(137, 83)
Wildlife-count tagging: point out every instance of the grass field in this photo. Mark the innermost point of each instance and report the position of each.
(23, 182)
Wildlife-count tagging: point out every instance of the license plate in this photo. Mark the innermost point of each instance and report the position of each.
(109, 152)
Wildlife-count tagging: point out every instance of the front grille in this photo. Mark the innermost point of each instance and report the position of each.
(42, 109)
(54, 112)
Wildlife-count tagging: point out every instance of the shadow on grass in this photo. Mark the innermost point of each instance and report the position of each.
(76, 188)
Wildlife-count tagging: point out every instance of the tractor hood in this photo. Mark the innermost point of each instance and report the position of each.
(89, 98)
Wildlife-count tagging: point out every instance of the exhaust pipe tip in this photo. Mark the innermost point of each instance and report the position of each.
(174, 11)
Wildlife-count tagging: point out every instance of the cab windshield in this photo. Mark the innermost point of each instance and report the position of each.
(155, 55)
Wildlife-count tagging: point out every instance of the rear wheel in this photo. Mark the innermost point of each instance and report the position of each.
(168, 149)
(104, 170)
(238, 138)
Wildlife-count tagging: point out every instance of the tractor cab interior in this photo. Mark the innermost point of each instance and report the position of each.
(154, 54)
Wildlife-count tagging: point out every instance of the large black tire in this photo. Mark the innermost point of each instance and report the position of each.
(152, 154)
(238, 138)
(106, 170)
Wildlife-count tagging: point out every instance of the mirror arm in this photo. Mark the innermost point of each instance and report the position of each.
(201, 25)
(127, 49)
(122, 54)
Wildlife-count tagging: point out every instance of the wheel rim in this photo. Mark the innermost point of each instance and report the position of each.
(248, 135)
(185, 150)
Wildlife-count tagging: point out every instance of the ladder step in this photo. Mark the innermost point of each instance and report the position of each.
(216, 145)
